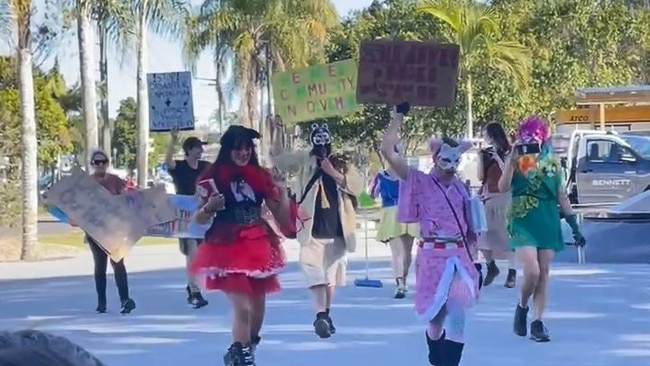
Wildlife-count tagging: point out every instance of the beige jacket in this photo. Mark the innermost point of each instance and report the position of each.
(304, 165)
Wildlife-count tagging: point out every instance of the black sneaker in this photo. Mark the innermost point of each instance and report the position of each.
(189, 294)
(520, 322)
(255, 341)
(238, 355)
(492, 273)
(197, 301)
(101, 308)
(511, 280)
(128, 306)
(331, 323)
(322, 325)
(538, 331)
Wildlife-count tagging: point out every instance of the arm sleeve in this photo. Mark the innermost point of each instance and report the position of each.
(408, 210)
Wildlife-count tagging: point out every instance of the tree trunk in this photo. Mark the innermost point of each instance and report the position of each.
(87, 70)
(221, 108)
(470, 113)
(107, 127)
(142, 98)
(29, 171)
(251, 97)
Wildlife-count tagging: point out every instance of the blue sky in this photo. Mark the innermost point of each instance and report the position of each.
(163, 56)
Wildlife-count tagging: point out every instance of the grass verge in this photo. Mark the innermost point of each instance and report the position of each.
(75, 238)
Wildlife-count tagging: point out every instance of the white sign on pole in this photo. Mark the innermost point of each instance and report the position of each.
(170, 100)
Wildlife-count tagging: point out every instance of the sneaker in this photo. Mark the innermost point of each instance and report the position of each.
(538, 332)
(322, 325)
(197, 301)
(101, 308)
(189, 294)
(400, 292)
(492, 273)
(128, 306)
(255, 341)
(331, 323)
(511, 280)
(238, 355)
(520, 322)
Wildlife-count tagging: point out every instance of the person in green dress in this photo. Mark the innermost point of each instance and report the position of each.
(539, 202)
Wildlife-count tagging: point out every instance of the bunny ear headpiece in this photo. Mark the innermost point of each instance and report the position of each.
(446, 156)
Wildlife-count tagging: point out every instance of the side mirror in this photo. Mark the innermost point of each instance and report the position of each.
(563, 163)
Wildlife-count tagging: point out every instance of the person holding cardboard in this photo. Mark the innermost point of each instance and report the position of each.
(326, 189)
(184, 173)
(447, 282)
(99, 161)
(241, 254)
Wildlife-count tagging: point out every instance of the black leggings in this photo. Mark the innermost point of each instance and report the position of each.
(101, 265)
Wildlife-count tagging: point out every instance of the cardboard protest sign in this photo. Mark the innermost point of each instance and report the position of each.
(183, 225)
(421, 73)
(170, 100)
(107, 218)
(152, 205)
(315, 92)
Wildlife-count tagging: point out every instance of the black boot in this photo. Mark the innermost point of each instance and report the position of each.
(128, 306)
(452, 353)
(479, 269)
(511, 280)
(520, 322)
(538, 331)
(492, 273)
(101, 307)
(238, 355)
(322, 325)
(435, 350)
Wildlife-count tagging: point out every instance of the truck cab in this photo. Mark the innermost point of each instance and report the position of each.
(604, 167)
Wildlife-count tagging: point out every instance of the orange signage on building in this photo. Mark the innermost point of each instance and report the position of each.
(612, 115)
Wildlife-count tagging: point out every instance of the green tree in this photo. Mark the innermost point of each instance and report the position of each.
(475, 28)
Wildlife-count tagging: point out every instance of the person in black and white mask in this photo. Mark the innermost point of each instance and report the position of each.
(184, 174)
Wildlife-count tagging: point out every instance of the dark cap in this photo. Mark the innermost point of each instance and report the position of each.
(236, 134)
(191, 143)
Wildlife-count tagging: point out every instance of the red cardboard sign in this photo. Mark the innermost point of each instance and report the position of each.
(421, 73)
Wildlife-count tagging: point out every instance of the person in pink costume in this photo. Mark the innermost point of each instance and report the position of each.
(447, 282)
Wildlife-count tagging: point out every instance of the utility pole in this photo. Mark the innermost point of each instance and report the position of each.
(107, 125)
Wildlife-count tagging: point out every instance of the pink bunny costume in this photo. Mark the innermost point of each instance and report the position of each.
(446, 279)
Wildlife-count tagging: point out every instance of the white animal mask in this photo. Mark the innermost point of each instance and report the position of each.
(447, 157)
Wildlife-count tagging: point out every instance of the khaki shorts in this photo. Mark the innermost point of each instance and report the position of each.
(324, 262)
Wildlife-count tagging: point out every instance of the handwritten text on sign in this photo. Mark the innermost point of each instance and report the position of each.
(423, 74)
(170, 100)
(315, 92)
(106, 218)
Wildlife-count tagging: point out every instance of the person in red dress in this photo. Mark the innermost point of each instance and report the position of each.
(241, 254)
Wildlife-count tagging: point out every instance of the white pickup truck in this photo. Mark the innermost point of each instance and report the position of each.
(606, 167)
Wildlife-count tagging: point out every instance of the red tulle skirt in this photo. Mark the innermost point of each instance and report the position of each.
(249, 265)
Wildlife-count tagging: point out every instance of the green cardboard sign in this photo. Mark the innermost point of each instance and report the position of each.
(315, 92)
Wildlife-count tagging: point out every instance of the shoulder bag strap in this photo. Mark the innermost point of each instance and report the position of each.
(310, 184)
(460, 227)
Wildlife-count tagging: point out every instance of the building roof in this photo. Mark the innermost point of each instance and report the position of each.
(614, 95)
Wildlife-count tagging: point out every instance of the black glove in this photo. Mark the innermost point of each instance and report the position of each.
(403, 108)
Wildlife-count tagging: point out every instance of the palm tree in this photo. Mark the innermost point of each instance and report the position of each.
(167, 18)
(260, 37)
(22, 14)
(474, 27)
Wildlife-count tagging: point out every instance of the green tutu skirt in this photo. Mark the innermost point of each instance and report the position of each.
(390, 228)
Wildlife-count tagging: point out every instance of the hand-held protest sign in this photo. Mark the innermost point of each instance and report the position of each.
(206, 188)
(170, 100)
(183, 225)
(318, 91)
(107, 218)
(152, 205)
(421, 73)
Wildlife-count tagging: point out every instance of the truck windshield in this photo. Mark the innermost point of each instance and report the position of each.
(640, 144)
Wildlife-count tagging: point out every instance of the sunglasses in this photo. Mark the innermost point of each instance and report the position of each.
(100, 162)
